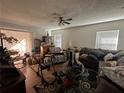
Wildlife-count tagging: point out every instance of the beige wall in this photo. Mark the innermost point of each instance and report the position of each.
(37, 34)
(85, 36)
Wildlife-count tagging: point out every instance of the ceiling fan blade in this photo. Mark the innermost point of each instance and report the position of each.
(122, 7)
(60, 23)
(69, 19)
(66, 22)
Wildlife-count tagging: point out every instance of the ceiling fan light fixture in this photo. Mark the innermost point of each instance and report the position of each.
(61, 19)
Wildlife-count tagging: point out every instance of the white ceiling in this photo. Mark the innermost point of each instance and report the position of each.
(31, 14)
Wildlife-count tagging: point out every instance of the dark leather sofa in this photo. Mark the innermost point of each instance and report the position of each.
(91, 60)
(95, 55)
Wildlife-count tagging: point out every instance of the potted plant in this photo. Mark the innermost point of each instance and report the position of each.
(4, 52)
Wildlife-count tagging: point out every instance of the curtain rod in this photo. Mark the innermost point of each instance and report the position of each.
(10, 29)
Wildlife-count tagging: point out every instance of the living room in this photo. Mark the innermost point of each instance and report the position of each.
(86, 31)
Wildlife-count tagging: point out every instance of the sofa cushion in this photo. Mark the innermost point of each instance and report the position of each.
(110, 51)
(119, 55)
(109, 56)
(98, 53)
(92, 57)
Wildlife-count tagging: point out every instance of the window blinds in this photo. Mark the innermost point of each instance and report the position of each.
(107, 39)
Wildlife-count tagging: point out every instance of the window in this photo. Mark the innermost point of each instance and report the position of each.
(21, 47)
(107, 39)
(58, 40)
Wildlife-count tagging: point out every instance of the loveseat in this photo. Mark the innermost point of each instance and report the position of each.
(91, 57)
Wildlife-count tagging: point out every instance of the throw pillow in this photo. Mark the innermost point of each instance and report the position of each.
(109, 56)
(92, 57)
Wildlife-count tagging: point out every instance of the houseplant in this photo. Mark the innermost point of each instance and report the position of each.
(4, 52)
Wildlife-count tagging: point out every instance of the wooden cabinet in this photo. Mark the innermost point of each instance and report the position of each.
(37, 42)
(12, 80)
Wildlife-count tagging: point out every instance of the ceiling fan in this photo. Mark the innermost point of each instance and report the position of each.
(62, 20)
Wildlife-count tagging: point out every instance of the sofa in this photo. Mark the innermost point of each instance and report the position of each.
(91, 57)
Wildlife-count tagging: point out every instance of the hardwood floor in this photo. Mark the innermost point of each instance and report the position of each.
(32, 79)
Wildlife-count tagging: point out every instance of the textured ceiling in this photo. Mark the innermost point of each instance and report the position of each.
(30, 14)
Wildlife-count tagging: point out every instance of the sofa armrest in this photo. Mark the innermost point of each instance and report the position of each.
(107, 86)
(89, 63)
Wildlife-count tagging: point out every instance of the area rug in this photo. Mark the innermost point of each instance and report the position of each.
(89, 85)
(39, 89)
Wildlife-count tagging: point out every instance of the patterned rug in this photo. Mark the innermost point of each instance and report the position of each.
(60, 89)
(88, 84)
